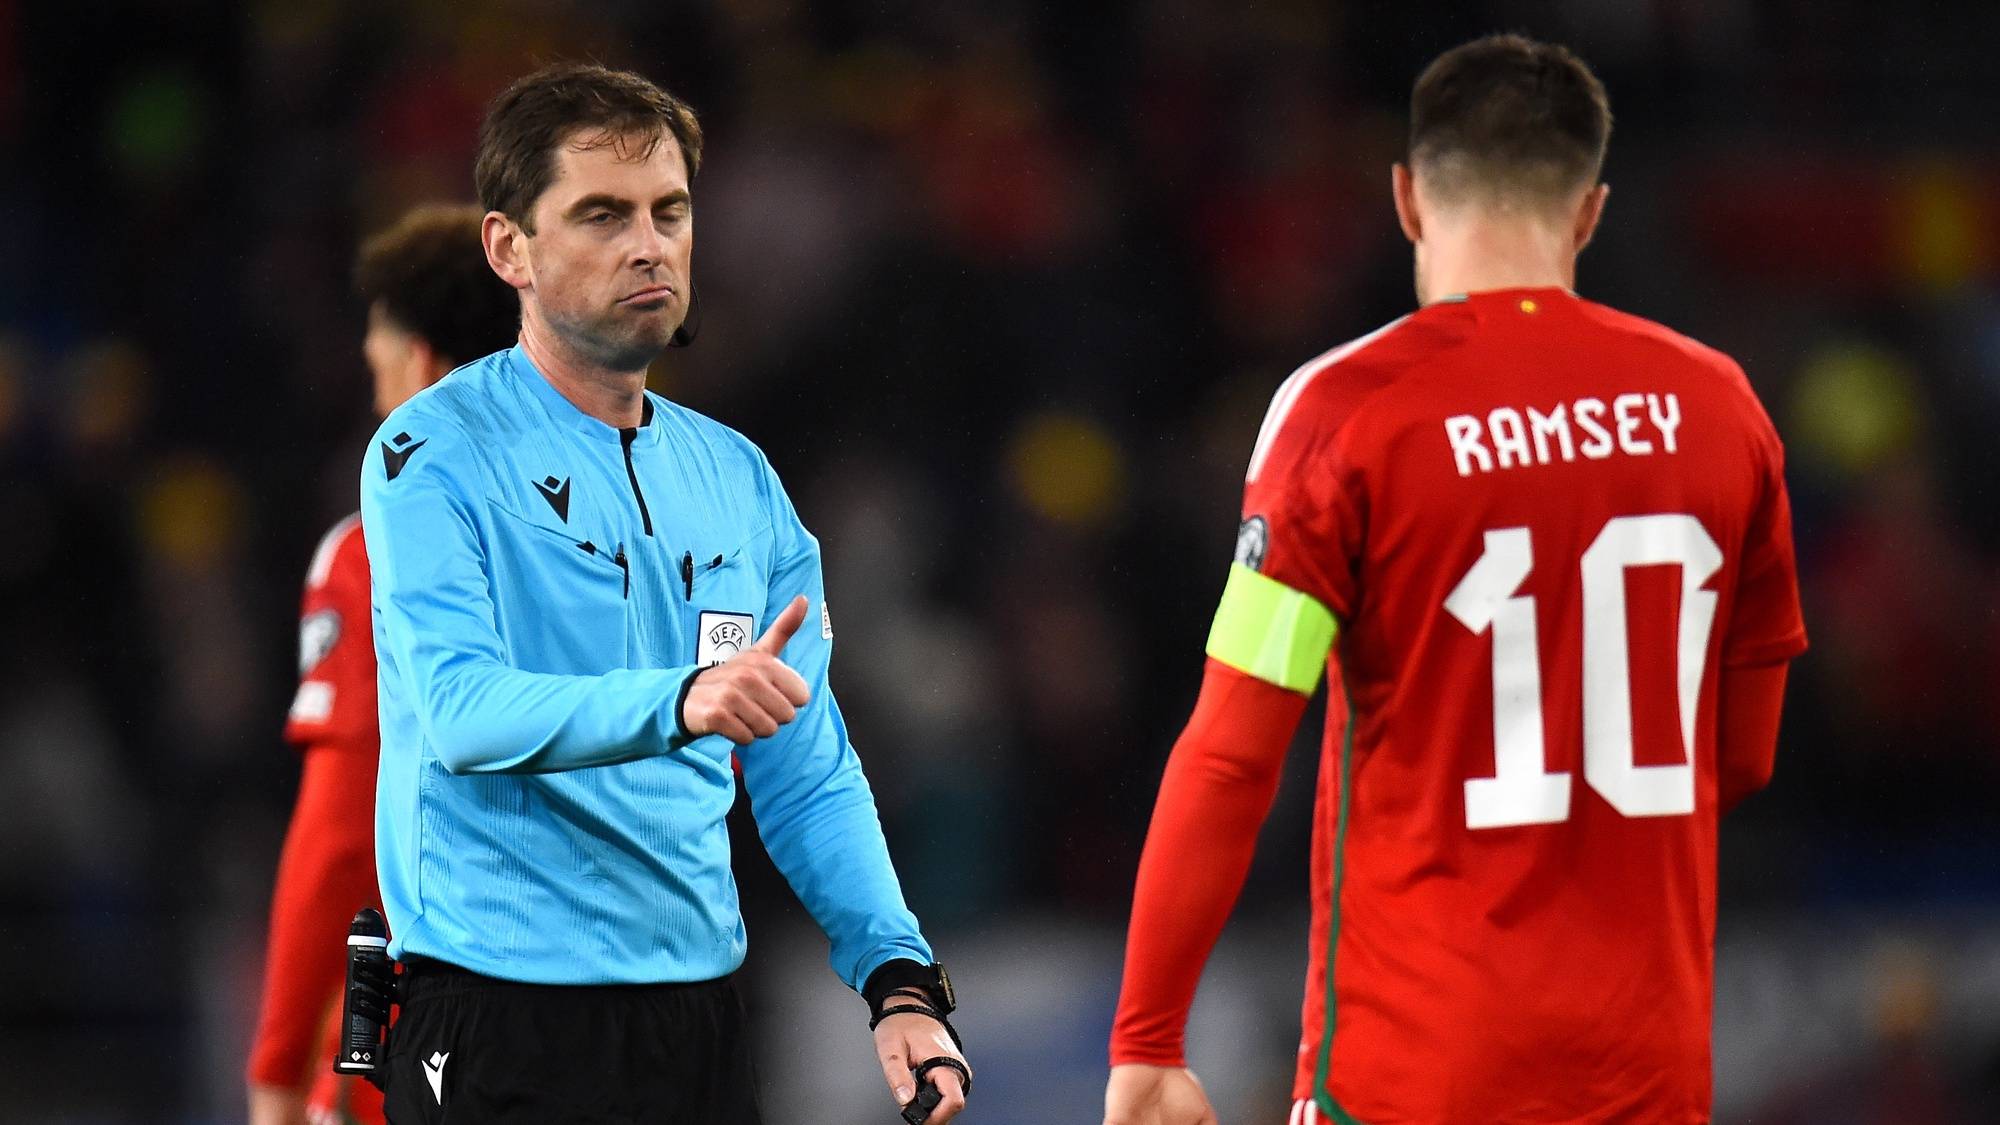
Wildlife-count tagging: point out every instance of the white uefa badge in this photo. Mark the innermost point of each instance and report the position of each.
(318, 633)
(723, 635)
(1253, 540)
(825, 621)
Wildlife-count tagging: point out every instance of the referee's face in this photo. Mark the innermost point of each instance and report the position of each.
(610, 259)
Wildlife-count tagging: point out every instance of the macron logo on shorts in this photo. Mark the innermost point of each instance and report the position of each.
(434, 1070)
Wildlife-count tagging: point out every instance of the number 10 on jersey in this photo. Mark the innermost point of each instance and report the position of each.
(1523, 790)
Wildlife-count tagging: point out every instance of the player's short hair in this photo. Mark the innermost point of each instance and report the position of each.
(1507, 118)
(430, 275)
(530, 119)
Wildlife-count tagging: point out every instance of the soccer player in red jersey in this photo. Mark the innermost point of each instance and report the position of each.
(1544, 549)
(432, 301)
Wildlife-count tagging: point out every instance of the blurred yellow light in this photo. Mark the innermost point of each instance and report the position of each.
(1942, 228)
(1067, 468)
(191, 512)
(1854, 406)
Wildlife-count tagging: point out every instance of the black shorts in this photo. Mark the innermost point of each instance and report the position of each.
(471, 1050)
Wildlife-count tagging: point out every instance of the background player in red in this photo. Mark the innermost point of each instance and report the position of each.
(1548, 547)
(432, 302)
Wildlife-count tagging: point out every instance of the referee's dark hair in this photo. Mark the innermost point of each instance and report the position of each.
(571, 103)
(429, 274)
(1508, 119)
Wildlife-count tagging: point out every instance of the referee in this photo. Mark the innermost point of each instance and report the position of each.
(587, 600)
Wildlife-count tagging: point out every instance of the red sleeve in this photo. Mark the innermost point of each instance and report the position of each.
(327, 872)
(1217, 790)
(1752, 698)
(1766, 625)
(1304, 517)
(335, 704)
(1766, 628)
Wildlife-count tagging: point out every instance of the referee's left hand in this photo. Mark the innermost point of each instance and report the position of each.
(752, 694)
(907, 1041)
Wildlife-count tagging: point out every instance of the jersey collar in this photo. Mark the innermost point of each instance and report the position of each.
(564, 413)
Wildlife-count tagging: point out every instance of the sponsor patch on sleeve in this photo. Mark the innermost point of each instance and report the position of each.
(314, 702)
(319, 631)
(1253, 541)
(825, 621)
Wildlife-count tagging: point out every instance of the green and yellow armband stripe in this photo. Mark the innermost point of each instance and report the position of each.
(1271, 631)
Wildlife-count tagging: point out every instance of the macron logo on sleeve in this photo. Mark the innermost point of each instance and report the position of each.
(396, 453)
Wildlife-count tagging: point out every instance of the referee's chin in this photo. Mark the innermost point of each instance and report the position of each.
(635, 349)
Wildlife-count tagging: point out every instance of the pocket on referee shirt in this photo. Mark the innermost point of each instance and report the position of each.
(562, 602)
(726, 597)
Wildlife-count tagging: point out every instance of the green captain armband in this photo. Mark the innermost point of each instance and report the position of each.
(1268, 630)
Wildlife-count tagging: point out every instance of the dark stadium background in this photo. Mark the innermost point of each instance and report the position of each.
(1002, 289)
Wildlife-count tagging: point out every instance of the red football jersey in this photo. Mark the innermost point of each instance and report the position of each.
(1545, 549)
(1541, 528)
(327, 871)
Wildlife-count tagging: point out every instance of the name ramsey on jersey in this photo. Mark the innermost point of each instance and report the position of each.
(1508, 438)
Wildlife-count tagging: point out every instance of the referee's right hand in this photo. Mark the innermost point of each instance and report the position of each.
(752, 694)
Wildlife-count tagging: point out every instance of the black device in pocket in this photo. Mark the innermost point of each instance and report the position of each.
(371, 989)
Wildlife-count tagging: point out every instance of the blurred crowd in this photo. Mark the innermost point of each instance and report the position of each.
(1002, 290)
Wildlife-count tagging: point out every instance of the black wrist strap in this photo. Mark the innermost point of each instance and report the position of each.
(899, 1009)
(916, 1009)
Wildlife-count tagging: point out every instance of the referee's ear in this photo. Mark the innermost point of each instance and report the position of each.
(503, 238)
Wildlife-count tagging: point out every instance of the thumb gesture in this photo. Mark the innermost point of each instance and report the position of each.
(753, 693)
(774, 639)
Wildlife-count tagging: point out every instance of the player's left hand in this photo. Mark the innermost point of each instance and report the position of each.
(906, 1042)
(1156, 1095)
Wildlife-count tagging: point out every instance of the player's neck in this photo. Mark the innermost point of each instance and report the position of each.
(1481, 255)
(615, 398)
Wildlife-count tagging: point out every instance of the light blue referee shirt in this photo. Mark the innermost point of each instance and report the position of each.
(544, 586)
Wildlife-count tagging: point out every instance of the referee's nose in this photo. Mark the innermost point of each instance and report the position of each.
(649, 247)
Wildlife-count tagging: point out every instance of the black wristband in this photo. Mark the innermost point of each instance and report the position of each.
(904, 974)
